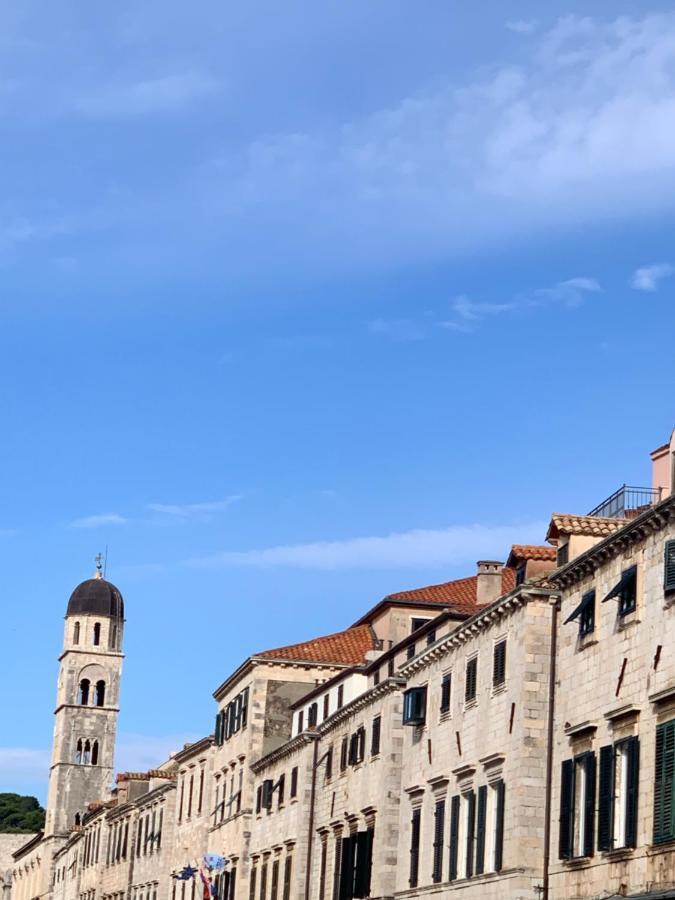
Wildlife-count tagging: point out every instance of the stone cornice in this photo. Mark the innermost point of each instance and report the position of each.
(500, 609)
(200, 746)
(633, 532)
(287, 749)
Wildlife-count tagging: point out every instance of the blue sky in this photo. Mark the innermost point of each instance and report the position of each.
(303, 306)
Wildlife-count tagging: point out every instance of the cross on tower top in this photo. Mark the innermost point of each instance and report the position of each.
(99, 566)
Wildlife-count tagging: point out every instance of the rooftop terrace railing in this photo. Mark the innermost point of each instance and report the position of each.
(626, 500)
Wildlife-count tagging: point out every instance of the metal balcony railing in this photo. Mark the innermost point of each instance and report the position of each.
(627, 500)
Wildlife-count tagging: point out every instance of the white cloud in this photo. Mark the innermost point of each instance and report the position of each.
(422, 547)
(190, 510)
(647, 278)
(99, 521)
(521, 26)
(156, 95)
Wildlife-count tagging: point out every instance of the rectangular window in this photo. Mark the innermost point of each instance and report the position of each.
(471, 680)
(252, 881)
(275, 879)
(415, 706)
(520, 573)
(336, 866)
(326, 706)
(376, 677)
(664, 783)
(577, 806)
(329, 764)
(375, 736)
(313, 715)
(415, 824)
(628, 596)
(281, 786)
(431, 638)
(470, 819)
(344, 752)
(563, 555)
(294, 781)
(288, 869)
(391, 667)
(446, 692)
(618, 789)
(340, 696)
(363, 863)
(499, 664)
(439, 832)
(587, 616)
(416, 624)
(669, 567)
(410, 651)
(322, 868)
(263, 880)
(301, 721)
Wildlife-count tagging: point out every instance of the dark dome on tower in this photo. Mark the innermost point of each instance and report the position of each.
(97, 597)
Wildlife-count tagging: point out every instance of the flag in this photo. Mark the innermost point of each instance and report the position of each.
(207, 885)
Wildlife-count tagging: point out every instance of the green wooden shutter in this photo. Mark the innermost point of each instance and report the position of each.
(233, 884)
(414, 847)
(606, 798)
(288, 868)
(632, 791)
(347, 867)
(663, 786)
(499, 826)
(589, 805)
(337, 863)
(669, 566)
(370, 839)
(439, 834)
(470, 831)
(566, 804)
(454, 837)
(480, 830)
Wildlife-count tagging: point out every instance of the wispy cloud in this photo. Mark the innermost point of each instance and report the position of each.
(155, 95)
(99, 521)
(521, 26)
(192, 510)
(469, 314)
(648, 278)
(421, 547)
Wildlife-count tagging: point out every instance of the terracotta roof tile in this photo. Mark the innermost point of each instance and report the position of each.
(531, 551)
(592, 526)
(343, 648)
(458, 595)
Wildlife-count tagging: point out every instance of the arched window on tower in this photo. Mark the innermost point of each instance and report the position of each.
(76, 633)
(113, 637)
(97, 634)
(94, 753)
(100, 693)
(86, 759)
(83, 696)
(78, 753)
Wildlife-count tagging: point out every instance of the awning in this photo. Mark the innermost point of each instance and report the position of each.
(626, 580)
(586, 600)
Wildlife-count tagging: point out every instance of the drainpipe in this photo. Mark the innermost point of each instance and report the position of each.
(310, 827)
(549, 749)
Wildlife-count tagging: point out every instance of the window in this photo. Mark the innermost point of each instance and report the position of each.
(562, 555)
(344, 750)
(357, 746)
(431, 637)
(439, 828)
(356, 864)
(313, 715)
(375, 736)
(337, 860)
(322, 867)
(664, 783)
(100, 693)
(490, 828)
(410, 651)
(76, 633)
(625, 591)
(329, 764)
(288, 868)
(376, 677)
(281, 784)
(520, 573)
(263, 880)
(470, 819)
(446, 691)
(326, 706)
(391, 667)
(275, 879)
(97, 634)
(113, 637)
(471, 680)
(585, 613)
(415, 706)
(301, 721)
(83, 696)
(416, 624)
(577, 805)
(499, 664)
(669, 567)
(294, 781)
(618, 788)
(340, 696)
(252, 881)
(415, 847)
(94, 754)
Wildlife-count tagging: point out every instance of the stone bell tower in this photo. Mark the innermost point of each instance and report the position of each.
(87, 703)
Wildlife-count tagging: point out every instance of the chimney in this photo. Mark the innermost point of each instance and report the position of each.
(663, 466)
(489, 581)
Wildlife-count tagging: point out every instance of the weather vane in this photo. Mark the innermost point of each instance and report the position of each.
(99, 565)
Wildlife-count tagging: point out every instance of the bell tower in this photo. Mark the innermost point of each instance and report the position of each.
(87, 703)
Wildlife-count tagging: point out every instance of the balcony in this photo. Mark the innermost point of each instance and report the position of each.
(627, 502)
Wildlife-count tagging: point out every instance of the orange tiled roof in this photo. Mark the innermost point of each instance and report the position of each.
(592, 526)
(459, 595)
(532, 551)
(344, 648)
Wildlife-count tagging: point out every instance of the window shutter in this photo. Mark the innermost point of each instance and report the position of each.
(258, 798)
(363, 861)
(232, 885)
(347, 868)
(343, 754)
(499, 826)
(632, 791)
(470, 831)
(414, 847)
(566, 800)
(439, 834)
(454, 837)
(252, 880)
(445, 692)
(370, 833)
(480, 830)
(294, 781)
(669, 567)
(375, 737)
(275, 880)
(244, 708)
(606, 798)
(282, 785)
(337, 867)
(288, 868)
(499, 664)
(589, 806)
(216, 732)
(663, 788)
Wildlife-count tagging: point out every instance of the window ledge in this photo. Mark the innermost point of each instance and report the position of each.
(471, 704)
(586, 641)
(445, 715)
(618, 853)
(627, 620)
(500, 689)
(578, 862)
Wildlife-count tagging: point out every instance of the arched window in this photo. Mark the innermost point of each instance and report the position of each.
(76, 633)
(113, 637)
(100, 693)
(86, 759)
(83, 696)
(78, 753)
(77, 820)
(97, 634)
(94, 754)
